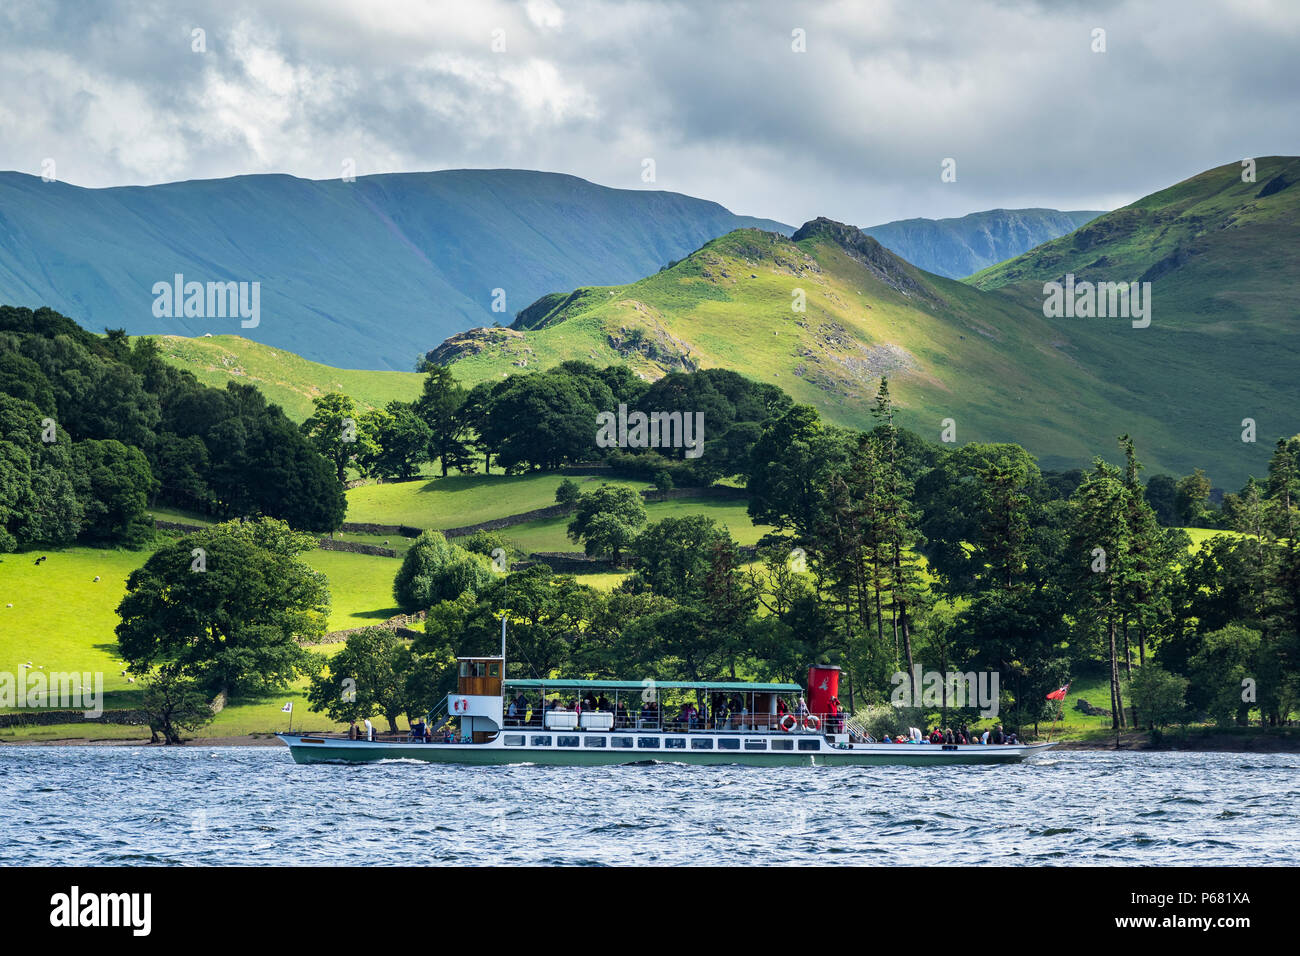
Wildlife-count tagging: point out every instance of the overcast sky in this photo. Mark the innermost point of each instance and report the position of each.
(855, 128)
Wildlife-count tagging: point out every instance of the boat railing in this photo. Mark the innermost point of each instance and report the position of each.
(839, 723)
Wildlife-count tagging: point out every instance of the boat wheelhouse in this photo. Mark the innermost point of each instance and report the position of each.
(490, 719)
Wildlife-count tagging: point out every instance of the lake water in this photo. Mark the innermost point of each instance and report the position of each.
(253, 805)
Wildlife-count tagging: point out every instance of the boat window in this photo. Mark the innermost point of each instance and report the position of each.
(620, 741)
(514, 740)
(675, 743)
(786, 744)
(759, 744)
(813, 744)
(701, 743)
(593, 741)
(494, 670)
(464, 668)
(566, 741)
(648, 742)
(542, 741)
(728, 743)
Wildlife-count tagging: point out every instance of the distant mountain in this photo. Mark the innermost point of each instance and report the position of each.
(959, 247)
(357, 274)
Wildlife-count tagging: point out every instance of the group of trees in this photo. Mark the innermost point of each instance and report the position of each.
(887, 553)
(545, 420)
(94, 430)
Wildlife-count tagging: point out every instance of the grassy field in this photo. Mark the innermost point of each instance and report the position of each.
(285, 378)
(550, 534)
(459, 500)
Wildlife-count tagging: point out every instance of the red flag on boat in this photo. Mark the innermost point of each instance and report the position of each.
(1058, 694)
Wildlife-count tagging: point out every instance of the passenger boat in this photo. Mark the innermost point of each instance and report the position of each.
(772, 727)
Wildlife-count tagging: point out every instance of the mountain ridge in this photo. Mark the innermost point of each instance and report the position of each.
(428, 251)
(983, 351)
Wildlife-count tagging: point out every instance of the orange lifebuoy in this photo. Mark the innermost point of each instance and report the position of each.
(812, 722)
(788, 723)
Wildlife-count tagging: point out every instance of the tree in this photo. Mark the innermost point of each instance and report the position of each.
(790, 471)
(403, 438)
(673, 557)
(543, 420)
(435, 570)
(227, 606)
(339, 433)
(1099, 548)
(174, 704)
(115, 485)
(1159, 695)
(440, 408)
(1162, 495)
(38, 499)
(1190, 497)
(367, 677)
(568, 492)
(1219, 672)
(607, 519)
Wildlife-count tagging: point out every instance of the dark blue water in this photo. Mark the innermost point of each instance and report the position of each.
(253, 805)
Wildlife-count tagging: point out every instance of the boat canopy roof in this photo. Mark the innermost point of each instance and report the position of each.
(739, 686)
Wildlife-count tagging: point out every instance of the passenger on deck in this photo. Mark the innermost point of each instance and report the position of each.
(620, 716)
(353, 733)
(721, 715)
(519, 709)
(984, 737)
(998, 736)
(602, 705)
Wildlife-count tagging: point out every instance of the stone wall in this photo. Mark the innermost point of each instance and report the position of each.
(45, 718)
(356, 547)
(404, 530)
(398, 624)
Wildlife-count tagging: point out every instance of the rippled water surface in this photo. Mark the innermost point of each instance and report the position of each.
(253, 805)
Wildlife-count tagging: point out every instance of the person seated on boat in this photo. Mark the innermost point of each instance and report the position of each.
(602, 705)
(519, 709)
(984, 737)
(900, 739)
(353, 733)
(998, 737)
(620, 715)
(721, 715)
(781, 709)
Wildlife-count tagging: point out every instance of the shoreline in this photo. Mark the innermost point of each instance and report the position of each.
(1211, 741)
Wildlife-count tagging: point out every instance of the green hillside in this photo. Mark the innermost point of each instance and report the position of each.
(1222, 345)
(285, 378)
(999, 369)
(1224, 341)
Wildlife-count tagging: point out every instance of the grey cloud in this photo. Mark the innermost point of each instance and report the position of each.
(855, 128)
